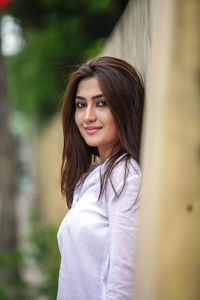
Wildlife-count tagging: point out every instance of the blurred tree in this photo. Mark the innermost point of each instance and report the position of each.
(8, 172)
(59, 34)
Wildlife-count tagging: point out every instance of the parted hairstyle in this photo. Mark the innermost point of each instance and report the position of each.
(123, 89)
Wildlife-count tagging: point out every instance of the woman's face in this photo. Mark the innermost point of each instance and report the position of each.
(94, 118)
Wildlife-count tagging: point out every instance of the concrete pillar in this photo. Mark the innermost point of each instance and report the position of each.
(168, 262)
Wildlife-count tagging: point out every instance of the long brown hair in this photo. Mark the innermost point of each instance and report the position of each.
(123, 89)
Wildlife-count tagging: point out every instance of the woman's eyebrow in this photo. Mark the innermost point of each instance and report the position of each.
(94, 97)
(97, 96)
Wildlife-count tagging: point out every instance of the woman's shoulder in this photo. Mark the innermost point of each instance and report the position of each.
(124, 182)
(126, 165)
(134, 167)
(126, 172)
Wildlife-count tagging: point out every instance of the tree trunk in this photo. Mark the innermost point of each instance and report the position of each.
(7, 170)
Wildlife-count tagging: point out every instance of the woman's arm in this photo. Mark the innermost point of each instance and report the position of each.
(123, 225)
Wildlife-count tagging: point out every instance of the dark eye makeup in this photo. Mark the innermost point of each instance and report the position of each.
(80, 104)
(83, 104)
(101, 103)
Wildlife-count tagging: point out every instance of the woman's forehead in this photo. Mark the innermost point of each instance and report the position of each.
(88, 86)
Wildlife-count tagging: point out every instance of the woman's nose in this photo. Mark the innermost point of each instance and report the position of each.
(90, 114)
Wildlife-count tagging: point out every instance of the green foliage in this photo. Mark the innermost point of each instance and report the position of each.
(59, 34)
(11, 285)
(42, 250)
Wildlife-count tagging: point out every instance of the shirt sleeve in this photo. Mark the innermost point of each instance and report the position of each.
(123, 225)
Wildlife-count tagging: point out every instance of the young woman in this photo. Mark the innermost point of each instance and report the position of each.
(102, 118)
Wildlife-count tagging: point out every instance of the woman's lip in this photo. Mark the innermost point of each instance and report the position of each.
(92, 129)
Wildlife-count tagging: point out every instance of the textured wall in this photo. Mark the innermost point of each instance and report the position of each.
(168, 264)
(131, 38)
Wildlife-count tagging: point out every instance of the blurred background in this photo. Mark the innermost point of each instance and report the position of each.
(41, 43)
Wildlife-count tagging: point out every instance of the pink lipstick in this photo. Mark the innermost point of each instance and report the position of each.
(92, 129)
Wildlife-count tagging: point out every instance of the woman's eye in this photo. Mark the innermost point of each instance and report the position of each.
(101, 103)
(80, 104)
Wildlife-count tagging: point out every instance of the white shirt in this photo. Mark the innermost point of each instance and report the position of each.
(97, 238)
